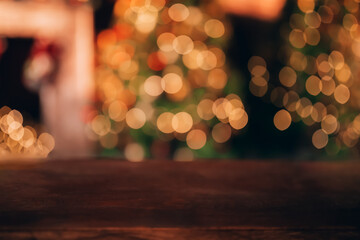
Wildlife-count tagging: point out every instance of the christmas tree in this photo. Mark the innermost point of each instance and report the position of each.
(163, 87)
(319, 85)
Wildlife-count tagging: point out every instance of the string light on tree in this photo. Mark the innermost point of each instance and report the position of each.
(320, 83)
(161, 72)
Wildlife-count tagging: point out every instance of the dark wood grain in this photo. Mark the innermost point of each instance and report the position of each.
(109, 199)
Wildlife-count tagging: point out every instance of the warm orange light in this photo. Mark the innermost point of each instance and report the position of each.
(135, 118)
(152, 86)
(342, 94)
(320, 139)
(204, 109)
(287, 76)
(196, 139)
(282, 120)
(171, 83)
(178, 12)
(313, 85)
(214, 28)
(264, 9)
(183, 44)
(164, 122)
(134, 152)
(221, 132)
(117, 111)
(182, 122)
(165, 41)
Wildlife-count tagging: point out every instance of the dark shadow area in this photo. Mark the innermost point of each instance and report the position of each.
(260, 138)
(13, 93)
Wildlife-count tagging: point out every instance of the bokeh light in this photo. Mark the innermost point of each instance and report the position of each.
(162, 86)
(319, 81)
(134, 152)
(18, 141)
(135, 118)
(282, 120)
(196, 139)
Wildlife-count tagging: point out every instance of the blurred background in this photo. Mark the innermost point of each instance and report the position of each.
(113, 123)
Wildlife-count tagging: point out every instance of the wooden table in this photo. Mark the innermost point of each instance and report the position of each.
(111, 199)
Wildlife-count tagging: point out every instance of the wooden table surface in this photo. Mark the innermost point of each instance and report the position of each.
(111, 199)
